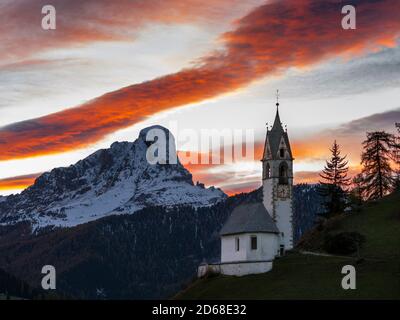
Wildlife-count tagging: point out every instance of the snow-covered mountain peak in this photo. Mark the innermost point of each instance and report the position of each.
(109, 181)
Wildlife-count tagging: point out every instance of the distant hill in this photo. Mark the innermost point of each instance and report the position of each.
(305, 276)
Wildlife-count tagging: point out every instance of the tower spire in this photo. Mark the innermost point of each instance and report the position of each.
(277, 123)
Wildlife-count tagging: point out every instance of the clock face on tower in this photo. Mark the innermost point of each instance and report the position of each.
(283, 191)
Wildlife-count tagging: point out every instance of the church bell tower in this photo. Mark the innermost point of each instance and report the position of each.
(277, 180)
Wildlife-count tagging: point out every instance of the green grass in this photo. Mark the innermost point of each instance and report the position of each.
(380, 223)
(4, 297)
(298, 276)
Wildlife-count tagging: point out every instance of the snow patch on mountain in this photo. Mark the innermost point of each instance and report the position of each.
(117, 180)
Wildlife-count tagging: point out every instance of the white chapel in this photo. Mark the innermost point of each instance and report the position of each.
(256, 233)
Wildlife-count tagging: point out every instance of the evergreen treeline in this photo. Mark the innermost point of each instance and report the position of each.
(14, 288)
(380, 174)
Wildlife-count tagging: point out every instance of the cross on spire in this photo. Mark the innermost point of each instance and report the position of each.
(277, 97)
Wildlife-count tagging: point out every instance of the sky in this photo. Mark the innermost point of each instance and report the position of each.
(111, 68)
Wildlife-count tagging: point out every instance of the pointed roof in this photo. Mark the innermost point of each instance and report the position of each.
(277, 127)
(274, 137)
(247, 218)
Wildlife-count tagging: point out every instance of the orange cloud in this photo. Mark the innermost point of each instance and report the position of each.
(307, 177)
(314, 147)
(82, 22)
(17, 183)
(271, 38)
(314, 177)
(241, 188)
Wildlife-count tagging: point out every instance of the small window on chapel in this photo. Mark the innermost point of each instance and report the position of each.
(282, 152)
(253, 243)
(237, 244)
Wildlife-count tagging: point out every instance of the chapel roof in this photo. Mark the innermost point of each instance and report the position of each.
(247, 218)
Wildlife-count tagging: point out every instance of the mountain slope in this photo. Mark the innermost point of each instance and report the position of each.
(145, 255)
(302, 276)
(149, 254)
(110, 181)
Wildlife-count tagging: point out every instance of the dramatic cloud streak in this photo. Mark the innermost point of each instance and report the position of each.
(270, 39)
(20, 182)
(82, 22)
(311, 148)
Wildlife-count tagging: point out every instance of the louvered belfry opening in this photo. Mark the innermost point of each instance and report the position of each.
(283, 173)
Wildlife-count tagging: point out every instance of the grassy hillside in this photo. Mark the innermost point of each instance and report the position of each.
(302, 276)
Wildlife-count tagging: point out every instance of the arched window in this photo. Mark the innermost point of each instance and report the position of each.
(283, 173)
(282, 152)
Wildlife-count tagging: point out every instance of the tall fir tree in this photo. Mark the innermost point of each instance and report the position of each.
(378, 175)
(333, 188)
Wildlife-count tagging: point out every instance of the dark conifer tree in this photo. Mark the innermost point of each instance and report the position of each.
(356, 193)
(378, 174)
(333, 188)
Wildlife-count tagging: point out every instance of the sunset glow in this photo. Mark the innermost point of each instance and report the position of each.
(228, 66)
